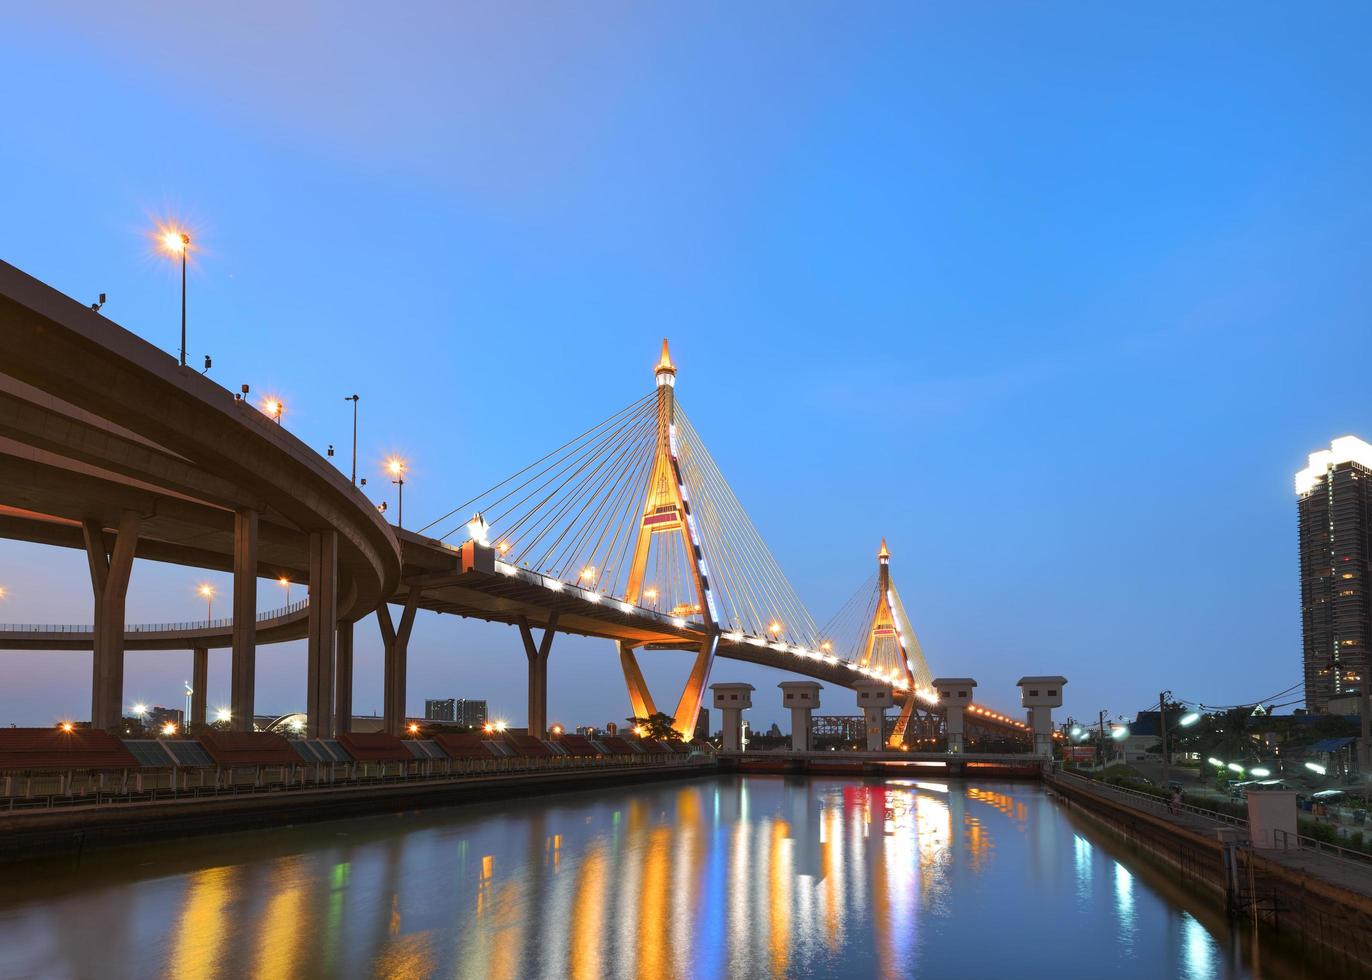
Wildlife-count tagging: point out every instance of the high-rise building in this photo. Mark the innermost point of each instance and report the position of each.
(470, 713)
(1335, 517)
(445, 710)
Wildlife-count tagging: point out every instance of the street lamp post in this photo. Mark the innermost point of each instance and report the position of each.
(395, 466)
(207, 591)
(353, 399)
(179, 243)
(286, 584)
(1162, 728)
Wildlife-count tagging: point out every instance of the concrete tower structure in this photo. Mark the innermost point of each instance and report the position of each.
(1041, 695)
(955, 694)
(874, 697)
(802, 697)
(732, 700)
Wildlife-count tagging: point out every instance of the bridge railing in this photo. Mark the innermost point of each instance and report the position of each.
(182, 627)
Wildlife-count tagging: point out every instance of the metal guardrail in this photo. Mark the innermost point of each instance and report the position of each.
(1303, 842)
(182, 627)
(105, 798)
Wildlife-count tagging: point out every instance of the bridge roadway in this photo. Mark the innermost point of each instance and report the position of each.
(108, 445)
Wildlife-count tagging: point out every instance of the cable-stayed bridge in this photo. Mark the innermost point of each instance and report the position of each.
(627, 531)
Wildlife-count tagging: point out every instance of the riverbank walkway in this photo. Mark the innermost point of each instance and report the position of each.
(1340, 866)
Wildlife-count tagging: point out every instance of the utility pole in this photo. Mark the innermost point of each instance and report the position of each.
(1162, 727)
(353, 399)
(1100, 745)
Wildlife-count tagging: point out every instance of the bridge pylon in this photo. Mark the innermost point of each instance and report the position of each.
(889, 646)
(666, 516)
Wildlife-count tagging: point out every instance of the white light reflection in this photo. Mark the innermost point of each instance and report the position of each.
(1197, 950)
(1081, 851)
(1124, 906)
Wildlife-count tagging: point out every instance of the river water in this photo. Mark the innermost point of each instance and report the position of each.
(738, 877)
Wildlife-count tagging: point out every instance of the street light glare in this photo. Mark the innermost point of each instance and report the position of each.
(174, 241)
(206, 590)
(1189, 719)
(140, 709)
(222, 714)
(395, 466)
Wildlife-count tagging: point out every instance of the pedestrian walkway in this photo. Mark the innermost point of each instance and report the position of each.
(1346, 870)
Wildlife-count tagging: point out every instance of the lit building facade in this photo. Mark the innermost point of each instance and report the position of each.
(470, 713)
(444, 710)
(1334, 494)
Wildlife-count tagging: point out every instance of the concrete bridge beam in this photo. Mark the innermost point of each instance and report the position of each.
(200, 681)
(323, 623)
(243, 666)
(538, 672)
(396, 640)
(343, 678)
(110, 571)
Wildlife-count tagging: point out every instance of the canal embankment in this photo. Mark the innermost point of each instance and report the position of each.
(75, 830)
(1306, 894)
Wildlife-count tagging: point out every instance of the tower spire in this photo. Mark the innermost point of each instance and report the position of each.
(665, 372)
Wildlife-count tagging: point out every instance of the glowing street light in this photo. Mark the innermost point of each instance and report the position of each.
(67, 727)
(395, 469)
(1316, 768)
(412, 728)
(1188, 719)
(480, 531)
(140, 710)
(1235, 767)
(174, 242)
(285, 583)
(169, 728)
(1261, 772)
(3, 594)
(1217, 763)
(222, 714)
(273, 407)
(206, 592)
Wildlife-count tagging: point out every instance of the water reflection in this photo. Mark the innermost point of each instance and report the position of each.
(743, 877)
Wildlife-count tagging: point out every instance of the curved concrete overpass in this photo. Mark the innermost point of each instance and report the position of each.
(110, 446)
(273, 626)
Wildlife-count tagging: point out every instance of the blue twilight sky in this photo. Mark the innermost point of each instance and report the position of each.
(1054, 296)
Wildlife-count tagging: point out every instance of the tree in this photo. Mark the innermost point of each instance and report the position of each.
(656, 725)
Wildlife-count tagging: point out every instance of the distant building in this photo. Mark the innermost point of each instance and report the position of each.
(1334, 507)
(445, 710)
(611, 728)
(470, 713)
(588, 730)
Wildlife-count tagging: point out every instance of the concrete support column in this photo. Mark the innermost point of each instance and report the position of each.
(110, 572)
(396, 640)
(802, 697)
(640, 699)
(323, 623)
(243, 666)
(343, 679)
(874, 697)
(688, 707)
(732, 700)
(538, 672)
(200, 682)
(953, 725)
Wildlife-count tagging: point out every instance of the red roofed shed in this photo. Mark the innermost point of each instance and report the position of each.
(52, 748)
